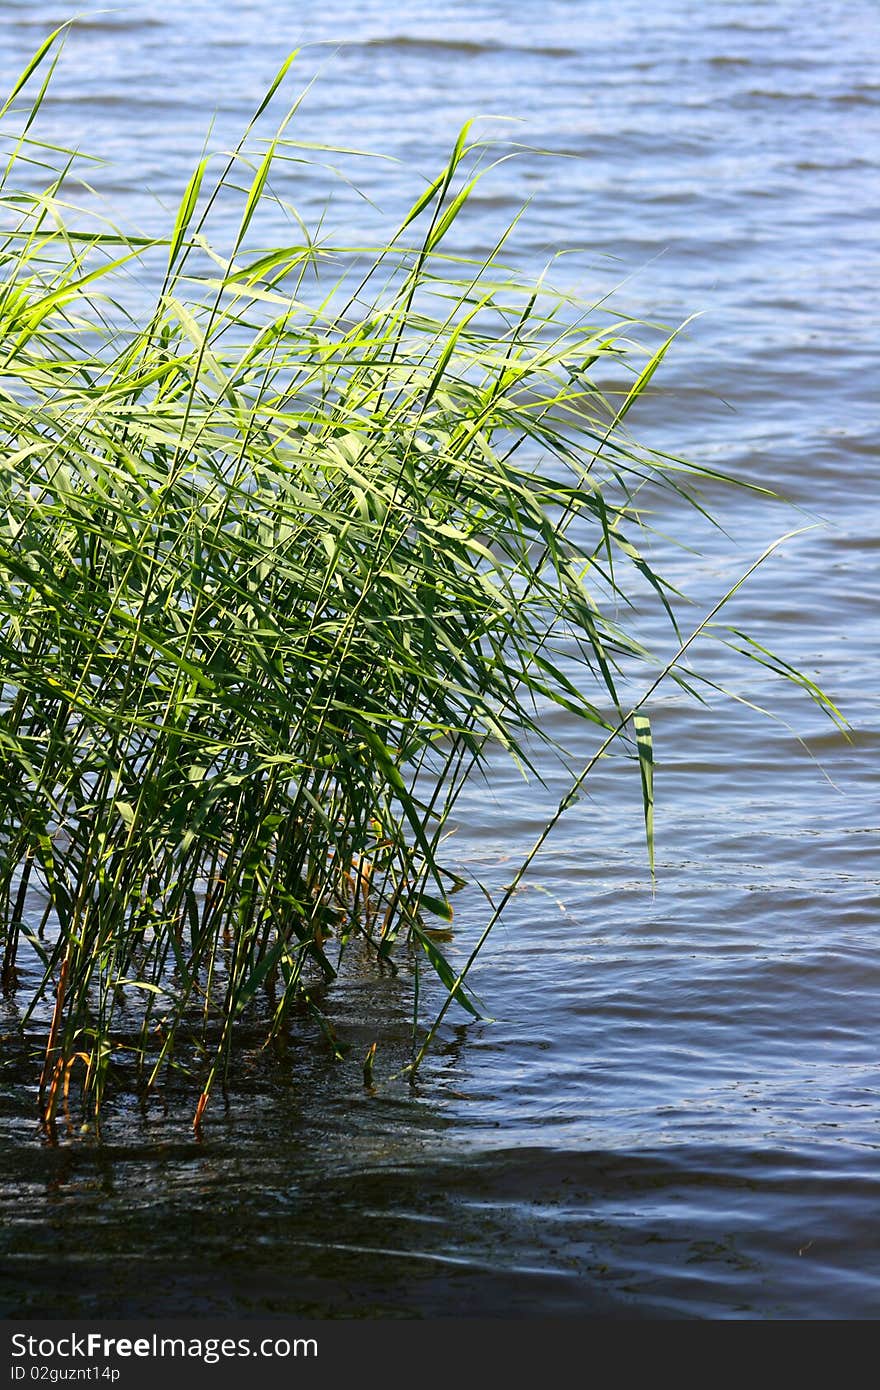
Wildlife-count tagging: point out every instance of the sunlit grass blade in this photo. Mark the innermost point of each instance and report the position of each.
(645, 746)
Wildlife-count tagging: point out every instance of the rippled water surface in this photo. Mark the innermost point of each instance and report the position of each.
(677, 1107)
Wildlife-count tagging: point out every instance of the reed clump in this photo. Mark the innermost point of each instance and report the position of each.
(281, 557)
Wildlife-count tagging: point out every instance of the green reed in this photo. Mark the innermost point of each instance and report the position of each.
(281, 560)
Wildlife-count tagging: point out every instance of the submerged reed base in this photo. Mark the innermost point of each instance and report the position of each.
(280, 558)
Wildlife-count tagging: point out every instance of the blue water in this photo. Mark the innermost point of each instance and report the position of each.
(676, 1109)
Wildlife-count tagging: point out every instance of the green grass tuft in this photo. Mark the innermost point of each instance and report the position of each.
(280, 560)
